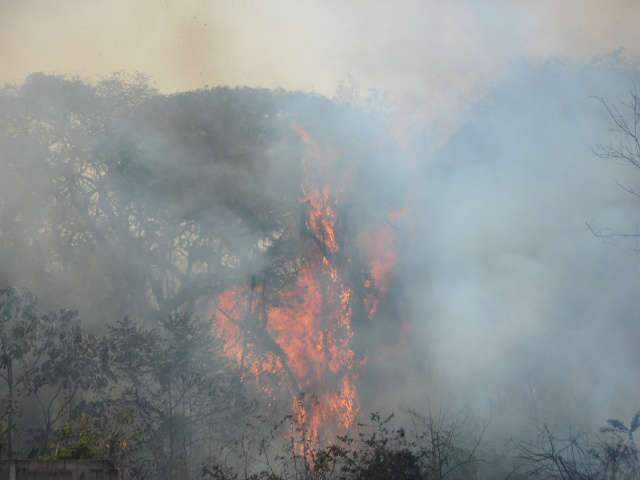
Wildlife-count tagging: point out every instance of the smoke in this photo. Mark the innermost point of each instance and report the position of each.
(511, 304)
(523, 311)
(431, 56)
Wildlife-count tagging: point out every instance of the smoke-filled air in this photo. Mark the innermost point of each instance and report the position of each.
(319, 240)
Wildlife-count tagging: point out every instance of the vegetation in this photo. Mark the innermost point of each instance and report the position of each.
(138, 209)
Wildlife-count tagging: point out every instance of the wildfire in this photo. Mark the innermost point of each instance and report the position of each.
(303, 339)
(379, 247)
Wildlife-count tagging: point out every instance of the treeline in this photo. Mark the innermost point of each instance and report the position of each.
(153, 400)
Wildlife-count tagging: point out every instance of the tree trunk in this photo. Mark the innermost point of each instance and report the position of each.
(10, 416)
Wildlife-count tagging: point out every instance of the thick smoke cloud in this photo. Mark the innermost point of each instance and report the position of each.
(514, 306)
(523, 311)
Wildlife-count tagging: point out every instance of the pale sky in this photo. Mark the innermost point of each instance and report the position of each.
(431, 52)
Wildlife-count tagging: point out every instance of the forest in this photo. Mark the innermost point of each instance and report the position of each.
(237, 283)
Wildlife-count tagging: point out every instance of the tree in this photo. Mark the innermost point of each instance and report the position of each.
(169, 377)
(22, 346)
(626, 147)
(47, 357)
(73, 362)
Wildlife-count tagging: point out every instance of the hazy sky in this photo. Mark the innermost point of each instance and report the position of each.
(437, 54)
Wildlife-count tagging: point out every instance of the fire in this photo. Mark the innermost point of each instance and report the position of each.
(379, 247)
(322, 218)
(303, 338)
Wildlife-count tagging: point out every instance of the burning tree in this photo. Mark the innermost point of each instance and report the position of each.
(292, 328)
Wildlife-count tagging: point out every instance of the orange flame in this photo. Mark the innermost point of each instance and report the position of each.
(308, 328)
(378, 245)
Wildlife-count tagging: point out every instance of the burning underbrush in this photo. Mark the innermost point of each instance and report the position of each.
(380, 448)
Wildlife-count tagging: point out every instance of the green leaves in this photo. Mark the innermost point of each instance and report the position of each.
(78, 440)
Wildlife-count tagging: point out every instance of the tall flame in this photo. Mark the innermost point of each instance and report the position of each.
(304, 339)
